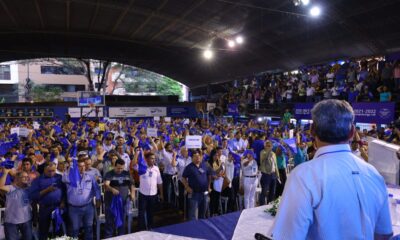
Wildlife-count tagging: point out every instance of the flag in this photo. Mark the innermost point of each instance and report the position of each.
(142, 164)
(117, 210)
(52, 157)
(291, 143)
(57, 218)
(74, 175)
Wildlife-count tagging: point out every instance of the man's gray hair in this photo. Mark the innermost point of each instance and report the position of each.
(332, 120)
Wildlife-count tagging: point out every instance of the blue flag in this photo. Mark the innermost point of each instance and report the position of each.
(291, 143)
(74, 175)
(57, 218)
(142, 168)
(117, 210)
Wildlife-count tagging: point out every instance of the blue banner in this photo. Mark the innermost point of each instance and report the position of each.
(376, 112)
(233, 109)
(178, 111)
(291, 142)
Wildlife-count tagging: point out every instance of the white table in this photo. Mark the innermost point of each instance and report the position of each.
(145, 235)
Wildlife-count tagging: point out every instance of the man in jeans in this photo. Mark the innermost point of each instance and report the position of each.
(196, 178)
(80, 201)
(269, 171)
(18, 215)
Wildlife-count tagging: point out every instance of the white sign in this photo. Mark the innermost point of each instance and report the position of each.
(152, 132)
(383, 157)
(211, 106)
(167, 119)
(36, 125)
(121, 112)
(291, 133)
(14, 130)
(23, 132)
(193, 142)
(156, 119)
(76, 112)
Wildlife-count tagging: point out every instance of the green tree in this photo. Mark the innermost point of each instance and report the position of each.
(168, 86)
(42, 93)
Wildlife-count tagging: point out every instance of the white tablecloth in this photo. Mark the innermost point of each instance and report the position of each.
(252, 221)
(146, 235)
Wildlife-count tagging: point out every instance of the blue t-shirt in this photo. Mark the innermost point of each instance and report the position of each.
(258, 146)
(197, 176)
(384, 96)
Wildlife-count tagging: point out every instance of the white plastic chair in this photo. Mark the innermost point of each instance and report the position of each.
(99, 217)
(133, 211)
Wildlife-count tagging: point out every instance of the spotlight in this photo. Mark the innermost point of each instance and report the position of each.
(259, 119)
(208, 54)
(231, 43)
(305, 2)
(315, 11)
(239, 39)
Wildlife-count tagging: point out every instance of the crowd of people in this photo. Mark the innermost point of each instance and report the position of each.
(65, 171)
(353, 81)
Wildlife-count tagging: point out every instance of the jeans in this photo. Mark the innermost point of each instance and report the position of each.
(197, 204)
(81, 216)
(182, 197)
(214, 202)
(109, 227)
(268, 186)
(282, 177)
(146, 209)
(11, 230)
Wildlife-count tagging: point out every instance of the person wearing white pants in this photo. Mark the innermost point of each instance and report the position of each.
(250, 170)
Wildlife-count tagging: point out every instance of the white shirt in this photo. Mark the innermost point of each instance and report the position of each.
(167, 160)
(334, 196)
(126, 159)
(310, 91)
(149, 181)
(181, 163)
(108, 148)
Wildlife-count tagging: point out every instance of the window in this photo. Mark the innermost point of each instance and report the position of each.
(5, 72)
(62, 70)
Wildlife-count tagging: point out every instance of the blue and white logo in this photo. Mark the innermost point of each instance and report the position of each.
(384, 113)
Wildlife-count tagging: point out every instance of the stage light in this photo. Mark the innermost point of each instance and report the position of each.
(259, 119)
(239, 39)
(231, 43)
(208, 54)
(315, 11)
(305, 2)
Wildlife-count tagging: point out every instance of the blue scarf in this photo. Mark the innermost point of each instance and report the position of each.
(142, 168)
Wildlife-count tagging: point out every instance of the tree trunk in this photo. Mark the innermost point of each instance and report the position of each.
(86, 65)
(105, 71)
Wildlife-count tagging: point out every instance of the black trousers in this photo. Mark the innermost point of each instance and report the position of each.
(228, 192)
(167, 187)
(214, 202)
(235, 188)
(181, 196)
(282, 177)
(146, 210)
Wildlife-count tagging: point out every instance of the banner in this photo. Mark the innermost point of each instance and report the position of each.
(124, 112)
(178, 111)
(23, 132)
(233, 109)
(193, 142)
(76, 112)
(211, 106)
(152, 132)
(377, 112)
(291, 142)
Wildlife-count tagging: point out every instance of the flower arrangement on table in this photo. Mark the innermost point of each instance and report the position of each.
(273, 207)
(63, 238)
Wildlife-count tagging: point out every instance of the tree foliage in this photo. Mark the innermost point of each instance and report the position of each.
(40, 93)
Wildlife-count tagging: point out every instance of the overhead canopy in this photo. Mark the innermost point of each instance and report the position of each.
(168, 36)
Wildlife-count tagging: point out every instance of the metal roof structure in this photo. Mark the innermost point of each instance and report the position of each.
(168, 36)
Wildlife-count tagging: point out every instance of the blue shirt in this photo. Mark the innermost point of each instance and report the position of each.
(384, 96)
(197, 176)
(334, 183)
(85, 191)
(43, 182)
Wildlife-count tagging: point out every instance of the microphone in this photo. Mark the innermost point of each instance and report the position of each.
(259, 236)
